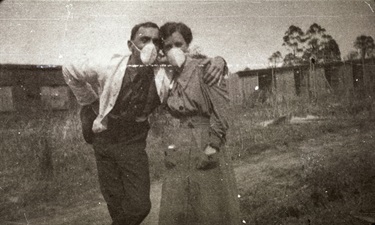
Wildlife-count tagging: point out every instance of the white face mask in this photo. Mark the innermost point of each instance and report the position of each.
(176, 57)
(148, 53)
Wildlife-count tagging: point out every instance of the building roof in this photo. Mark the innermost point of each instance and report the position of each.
(255, 72)
(29, 67)
(44, 75)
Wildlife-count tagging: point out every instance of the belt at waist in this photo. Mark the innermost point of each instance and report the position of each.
(125, 123)
(124, 118)
(194, 121)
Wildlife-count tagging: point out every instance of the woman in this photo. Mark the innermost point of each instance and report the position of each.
(199, 187)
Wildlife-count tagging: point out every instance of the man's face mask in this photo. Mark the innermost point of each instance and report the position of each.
(148, 53)
(176, 57)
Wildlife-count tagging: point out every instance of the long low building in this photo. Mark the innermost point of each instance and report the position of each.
(33, 87)
(42, 87)
(310, 81)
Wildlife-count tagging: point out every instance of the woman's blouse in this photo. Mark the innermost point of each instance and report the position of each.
(189, 96)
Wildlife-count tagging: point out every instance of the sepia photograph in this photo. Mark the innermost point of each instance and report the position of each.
(187, 112)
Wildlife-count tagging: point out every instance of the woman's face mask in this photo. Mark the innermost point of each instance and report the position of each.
(148, 53)
(176, 57)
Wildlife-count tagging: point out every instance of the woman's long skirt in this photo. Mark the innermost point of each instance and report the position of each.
(192, 196)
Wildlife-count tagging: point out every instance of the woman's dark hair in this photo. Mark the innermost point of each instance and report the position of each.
(169, 28)
(145, 25)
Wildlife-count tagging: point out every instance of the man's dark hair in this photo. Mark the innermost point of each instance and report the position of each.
(145, 25)
(169, 28)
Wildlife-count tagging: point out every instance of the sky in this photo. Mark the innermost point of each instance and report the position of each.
(245, 33)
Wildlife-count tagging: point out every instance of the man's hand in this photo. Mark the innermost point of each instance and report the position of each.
(214, 70)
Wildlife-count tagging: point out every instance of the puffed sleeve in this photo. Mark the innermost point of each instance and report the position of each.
(219, 104)
(79, 76)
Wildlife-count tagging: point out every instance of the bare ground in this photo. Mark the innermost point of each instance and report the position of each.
(266, 180)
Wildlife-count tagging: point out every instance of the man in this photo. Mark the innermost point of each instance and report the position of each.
(117, 96)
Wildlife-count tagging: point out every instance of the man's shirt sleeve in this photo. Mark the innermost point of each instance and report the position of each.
(80, 77)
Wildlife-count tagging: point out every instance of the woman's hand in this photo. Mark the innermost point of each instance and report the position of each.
(208, 159)
(209, 150)
(215, 69)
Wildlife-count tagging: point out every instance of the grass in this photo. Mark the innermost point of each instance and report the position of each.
(321, 181)
(316, 173)
(45, 165)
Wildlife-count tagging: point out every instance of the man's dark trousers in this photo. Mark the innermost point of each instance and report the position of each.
(123, 172)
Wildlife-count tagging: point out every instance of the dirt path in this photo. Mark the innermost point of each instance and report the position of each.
(93, 214)
(247, 175)
(98, 214)
(251, 173)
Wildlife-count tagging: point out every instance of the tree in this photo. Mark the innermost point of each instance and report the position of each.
(320, 45)
(275, 59)
(293, 41)
(314, 43)
(331, 50)
(365, 48)
(291, 60)
(365, 45)
(352, 55)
